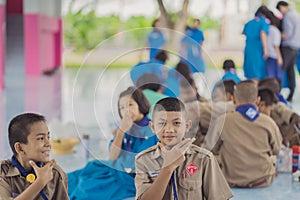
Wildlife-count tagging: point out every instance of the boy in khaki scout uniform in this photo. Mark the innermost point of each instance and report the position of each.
(285, 118)
(245, 141)
(30, 174)
(175, 168)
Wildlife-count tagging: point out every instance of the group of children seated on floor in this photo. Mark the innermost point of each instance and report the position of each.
(192, 148)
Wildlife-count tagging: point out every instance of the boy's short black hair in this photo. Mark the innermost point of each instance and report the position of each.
(149, 81)
(19, 128)
(228, 64)
(169, 104)
(281, 3)
(138, 97)
(270, 83)
(266, 95)
(228, 86)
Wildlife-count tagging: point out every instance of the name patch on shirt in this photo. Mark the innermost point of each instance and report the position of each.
(154, 173)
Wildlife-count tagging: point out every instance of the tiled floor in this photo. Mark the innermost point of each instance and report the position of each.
(88, 99)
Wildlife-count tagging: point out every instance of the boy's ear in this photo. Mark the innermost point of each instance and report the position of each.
(188, 125)
(151, 125)
(18, 147)
(233, 99)
(257, 101)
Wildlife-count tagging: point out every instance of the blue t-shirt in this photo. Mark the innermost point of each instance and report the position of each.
(156, 41)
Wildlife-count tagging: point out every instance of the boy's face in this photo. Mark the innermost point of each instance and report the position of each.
(169, 126)
(38, 146)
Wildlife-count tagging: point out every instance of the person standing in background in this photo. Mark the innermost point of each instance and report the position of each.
(274, 60)
(256, 51)
(156, 39)
(290, 43)
(192, 47)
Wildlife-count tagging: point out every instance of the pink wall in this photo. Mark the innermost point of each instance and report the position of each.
(43, 46)
(2, 44)
(14, 6)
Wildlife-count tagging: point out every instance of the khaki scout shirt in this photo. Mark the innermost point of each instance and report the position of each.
(207, 182)
(244, 149)
(12, 183)
(281, 114)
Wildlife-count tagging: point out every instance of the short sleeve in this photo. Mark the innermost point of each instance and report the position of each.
(215, 185)
(265, 25)
(61, 182)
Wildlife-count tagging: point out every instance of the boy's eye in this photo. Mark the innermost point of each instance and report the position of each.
(177, 123)
(40, 138)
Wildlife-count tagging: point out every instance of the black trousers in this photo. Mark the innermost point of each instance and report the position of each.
(289, 56)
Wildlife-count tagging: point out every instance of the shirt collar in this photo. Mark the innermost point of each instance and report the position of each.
(12, 171)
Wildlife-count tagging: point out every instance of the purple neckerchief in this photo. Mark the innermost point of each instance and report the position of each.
(249, 111)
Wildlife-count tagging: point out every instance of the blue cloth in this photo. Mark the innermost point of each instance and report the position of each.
(108, 179)
(153, 66)
(281, 98)
(156, 41)
(254, 63)
(273, 70)
(191, 41)
(249, 111)
(231, 75)
(172, 84)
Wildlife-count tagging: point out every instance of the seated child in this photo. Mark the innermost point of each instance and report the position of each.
(198, 110)
(267, 100)
(245, 141)
(286, 119)
(175, 168)
(222, 98)
(230, 73)
(114, 178)
(154, 66)
(30, 174)
(181, 71)
(152, 89)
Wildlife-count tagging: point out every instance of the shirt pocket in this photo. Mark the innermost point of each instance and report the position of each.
(190, 188)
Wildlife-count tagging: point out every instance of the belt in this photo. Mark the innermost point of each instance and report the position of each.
(251, 185)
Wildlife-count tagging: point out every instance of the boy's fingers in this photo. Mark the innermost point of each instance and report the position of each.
(185, 146)
(185, 141)
(33, 165)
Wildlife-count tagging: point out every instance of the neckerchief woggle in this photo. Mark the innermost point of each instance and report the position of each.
(30, 176)
(249, 111)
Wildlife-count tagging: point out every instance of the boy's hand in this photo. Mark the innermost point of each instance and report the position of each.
(44, 174)
(126, 122)
(175, 156)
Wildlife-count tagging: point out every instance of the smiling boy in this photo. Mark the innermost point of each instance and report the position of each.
(175, 168)
(30, 174)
